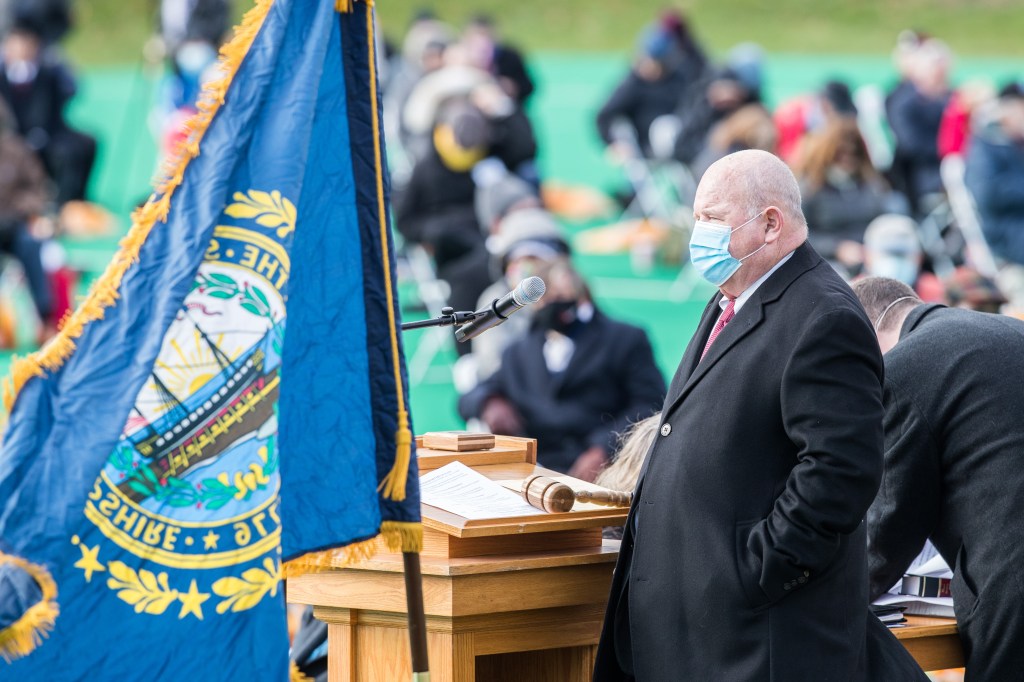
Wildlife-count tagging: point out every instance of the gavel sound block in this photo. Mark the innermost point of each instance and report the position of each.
(552, 496)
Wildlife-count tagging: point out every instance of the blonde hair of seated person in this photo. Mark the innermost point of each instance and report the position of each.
(634, 443)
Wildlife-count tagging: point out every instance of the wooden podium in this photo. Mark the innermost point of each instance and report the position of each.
(518, 598)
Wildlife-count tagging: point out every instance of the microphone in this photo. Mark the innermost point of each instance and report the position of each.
(528, 291)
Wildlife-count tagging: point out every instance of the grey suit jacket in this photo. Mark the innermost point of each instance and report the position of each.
(954, 472)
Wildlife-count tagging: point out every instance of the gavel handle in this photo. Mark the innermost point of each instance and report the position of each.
(605, 498)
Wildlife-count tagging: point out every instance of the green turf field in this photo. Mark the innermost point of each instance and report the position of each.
(114, 102)
(113, 31)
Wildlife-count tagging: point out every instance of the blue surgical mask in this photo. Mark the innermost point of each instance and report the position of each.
(709, 250)
(900, 268)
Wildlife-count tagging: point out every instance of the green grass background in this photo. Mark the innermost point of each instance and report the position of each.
(579, 50)
(112, 31)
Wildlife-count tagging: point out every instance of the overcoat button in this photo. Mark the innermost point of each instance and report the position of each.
(666, 429)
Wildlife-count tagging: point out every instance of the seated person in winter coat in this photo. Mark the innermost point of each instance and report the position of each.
(500, 59)
(716, 96)
(37, 89)
(841, 191)
(995, 175)
(527, 242)
(651, 89)
(810, 113)
(436, 207)
(573, 382)
(23, 198)
(511, 137)
(915, 111)
(749, 127)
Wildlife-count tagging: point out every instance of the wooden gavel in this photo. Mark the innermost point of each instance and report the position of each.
(552, 496)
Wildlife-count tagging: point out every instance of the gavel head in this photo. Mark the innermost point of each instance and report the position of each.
(548, 494)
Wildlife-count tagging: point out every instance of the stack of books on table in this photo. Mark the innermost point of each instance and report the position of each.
(891, 615)
(924, 591)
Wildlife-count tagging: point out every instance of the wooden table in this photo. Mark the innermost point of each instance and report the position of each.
(933, 642)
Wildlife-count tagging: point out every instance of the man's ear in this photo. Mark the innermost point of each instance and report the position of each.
(774, 222)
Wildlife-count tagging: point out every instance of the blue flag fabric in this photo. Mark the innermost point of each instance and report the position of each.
(174, 453)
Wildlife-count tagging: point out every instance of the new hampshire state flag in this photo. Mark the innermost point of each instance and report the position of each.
(228, 405)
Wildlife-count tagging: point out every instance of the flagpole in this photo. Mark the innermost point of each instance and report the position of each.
(417, 617)
(411, 560)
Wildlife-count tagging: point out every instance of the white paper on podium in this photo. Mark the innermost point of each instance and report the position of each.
(919, 606)
(458, 489)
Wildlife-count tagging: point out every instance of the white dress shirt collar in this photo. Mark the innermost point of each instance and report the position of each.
(749, 291)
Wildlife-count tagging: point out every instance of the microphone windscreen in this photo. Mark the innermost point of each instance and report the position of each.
(529, 291)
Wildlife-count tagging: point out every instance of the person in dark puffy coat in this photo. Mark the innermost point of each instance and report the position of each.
(668, 61)
(995, 175)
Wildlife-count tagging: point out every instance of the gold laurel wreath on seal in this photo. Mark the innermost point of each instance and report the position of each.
(270, 209)
(151, 593)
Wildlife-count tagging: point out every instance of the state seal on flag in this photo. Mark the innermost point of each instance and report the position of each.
(190, 493)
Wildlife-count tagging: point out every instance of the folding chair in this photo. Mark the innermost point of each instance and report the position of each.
(962, 205)
(871, 119)
(930, 230)
(664, 188)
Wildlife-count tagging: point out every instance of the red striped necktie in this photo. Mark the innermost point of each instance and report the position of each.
(727, 314)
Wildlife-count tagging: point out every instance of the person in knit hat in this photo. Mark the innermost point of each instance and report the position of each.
(526, 242)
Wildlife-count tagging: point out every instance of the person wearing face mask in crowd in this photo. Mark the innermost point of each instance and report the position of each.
(811, 113)
(573, 382)
(995, 177)
(743, 555)
(893, 249)
(436, 207)
(502, 60)
(715, 97)
(842, 192)
(526, 242)
(915, 110)
(37, 91)
(50, 19)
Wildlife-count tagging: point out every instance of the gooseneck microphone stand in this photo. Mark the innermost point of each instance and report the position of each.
(448, 318)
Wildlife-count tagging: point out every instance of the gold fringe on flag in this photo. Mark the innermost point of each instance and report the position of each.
(296, 675)
(393, 485)
(25, 634)
(397, 536)
(104, 292)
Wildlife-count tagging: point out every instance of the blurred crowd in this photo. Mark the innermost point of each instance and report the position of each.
(916, 180)
(920, 183)
(45, 163)
(467, 193)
